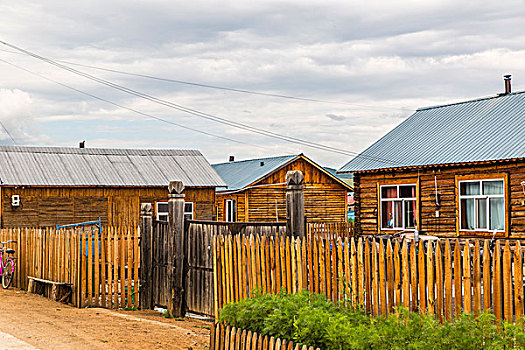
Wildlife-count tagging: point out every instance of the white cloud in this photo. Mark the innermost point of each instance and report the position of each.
(382, 59)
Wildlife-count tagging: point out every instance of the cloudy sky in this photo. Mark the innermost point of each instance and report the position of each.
(367, 65)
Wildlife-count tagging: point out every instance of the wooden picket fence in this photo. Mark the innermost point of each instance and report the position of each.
(101, 267)
(441, 279)
(230, 338)
(330, 230)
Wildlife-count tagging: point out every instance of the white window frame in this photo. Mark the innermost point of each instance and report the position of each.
(188, 214)
(482, 196)
(404, 200)
(159, 213)
(230, 204)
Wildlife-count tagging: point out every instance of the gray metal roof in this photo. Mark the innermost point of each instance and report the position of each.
(485, 129)
(60, 166)
(240, 174)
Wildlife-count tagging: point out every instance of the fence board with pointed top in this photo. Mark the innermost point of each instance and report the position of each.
(81, 258)
(442, 278)
(229, 338)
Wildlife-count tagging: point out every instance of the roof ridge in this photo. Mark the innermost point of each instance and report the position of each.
(256, 159)
(469, 101)
(99, 151)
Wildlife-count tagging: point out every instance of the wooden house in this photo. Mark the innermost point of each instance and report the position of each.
(44, 186)
(256, 190)
(456, 170)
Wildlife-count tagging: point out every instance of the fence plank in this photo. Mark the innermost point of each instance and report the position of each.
(476, 273)
(496, 282)
(406, 275)
(353, 262)
(414, 276)
(382, 278)
(430, 280)
(439, 282)
(518, 286)
(375, 279)
(367, 284)
(457, 280)
(507, 283)
(448, 281)
(487, 290)
(467, 292)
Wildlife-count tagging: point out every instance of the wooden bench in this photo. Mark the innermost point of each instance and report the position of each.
(60, 291)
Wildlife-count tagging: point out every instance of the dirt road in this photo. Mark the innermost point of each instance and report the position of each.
(45, 324)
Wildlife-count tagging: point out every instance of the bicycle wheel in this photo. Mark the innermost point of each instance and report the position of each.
(7, 277)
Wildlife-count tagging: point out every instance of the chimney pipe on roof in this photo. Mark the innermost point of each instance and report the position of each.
(232, 158)
(508, 89)
(82, 144)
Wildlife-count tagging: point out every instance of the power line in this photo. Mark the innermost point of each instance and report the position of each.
(124, 107)
(7, 132)
(307, 99)
(209, 86)
(198, 113)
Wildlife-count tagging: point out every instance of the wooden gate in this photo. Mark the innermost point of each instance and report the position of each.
(198, 239)
(198, 236)
(160, 291)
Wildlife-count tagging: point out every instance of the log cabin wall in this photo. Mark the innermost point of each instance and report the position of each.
(446, 225)
(324, 198)
(116, 206)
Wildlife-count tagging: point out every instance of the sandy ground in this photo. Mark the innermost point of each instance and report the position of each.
(50, 325)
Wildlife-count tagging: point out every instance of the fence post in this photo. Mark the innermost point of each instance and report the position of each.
(146, 263)
(175, 249)
(295, 219)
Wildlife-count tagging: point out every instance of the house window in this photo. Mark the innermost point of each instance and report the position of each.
(188, 210)
(162, 211)
(398, 207)
(230, 210)
(482, 205)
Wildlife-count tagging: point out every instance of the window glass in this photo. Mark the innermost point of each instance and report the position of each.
(410, 212)
(162, 207)
(387, 214)
(482, 213)
(407, 191)
(389, 192)
(188, 210)
(467, 214)
(469, 188)
(497, 213)
(493, 187)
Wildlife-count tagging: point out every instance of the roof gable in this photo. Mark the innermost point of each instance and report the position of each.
(61, 166)
(241, 174)
(480, 130)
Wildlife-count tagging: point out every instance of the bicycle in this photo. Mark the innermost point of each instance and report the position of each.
(7, 267)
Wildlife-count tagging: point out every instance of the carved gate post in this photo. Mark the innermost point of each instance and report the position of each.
(175, 249)
(295, 203)
(146, 258)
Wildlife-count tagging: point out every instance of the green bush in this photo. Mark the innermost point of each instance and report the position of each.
(313, 320)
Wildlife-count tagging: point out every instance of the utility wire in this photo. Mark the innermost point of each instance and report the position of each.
(8, 133)
(124, 107)
(198, 113)
(209, 86)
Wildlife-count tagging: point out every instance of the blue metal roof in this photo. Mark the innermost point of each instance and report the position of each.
(485, 129)
(240, 174)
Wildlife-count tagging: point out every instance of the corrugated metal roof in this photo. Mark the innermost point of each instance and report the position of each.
(485, 129)
(60, 166)
(240, 174)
